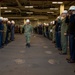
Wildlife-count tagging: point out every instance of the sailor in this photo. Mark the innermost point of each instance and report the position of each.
(8, 32)
(12, 30)
(28, 31)
(64, 28)
(71, 34)
(5, 29)
(1, 32)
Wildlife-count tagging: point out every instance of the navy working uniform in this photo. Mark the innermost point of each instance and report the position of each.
(12, 30)
(28, 31)
(58, 33)
(8, 32)
(64, 27)
(71, 33)
(1, 32)
(5, 29)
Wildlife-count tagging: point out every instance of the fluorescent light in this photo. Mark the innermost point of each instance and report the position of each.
(29, 12)
(57, 2)
(31, 6)
(3, 7)
(50, 12)
(54, 2)
(53, 8)
(28, 6)
(60, 2)
(8, 11)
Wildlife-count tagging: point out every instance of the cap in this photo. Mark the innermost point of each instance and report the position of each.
(6, 19)
(13, 22)
(65, 12)
(1, 18)
(72, 8)
(27, 20)
(9, 22)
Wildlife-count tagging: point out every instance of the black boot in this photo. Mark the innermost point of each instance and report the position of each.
(28, 44)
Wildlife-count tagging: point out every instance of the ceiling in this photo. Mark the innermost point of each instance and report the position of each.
(40, 8)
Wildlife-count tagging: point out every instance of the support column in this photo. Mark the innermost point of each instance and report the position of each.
(61, 8)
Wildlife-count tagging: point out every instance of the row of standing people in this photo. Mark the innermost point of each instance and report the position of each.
(6, 31)
(62, 33)
(19, 29)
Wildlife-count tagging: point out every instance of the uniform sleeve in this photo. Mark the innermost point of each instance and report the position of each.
(24, 28)
(31, 28)
(66, 27)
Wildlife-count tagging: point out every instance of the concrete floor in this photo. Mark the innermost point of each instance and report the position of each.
(41, 59)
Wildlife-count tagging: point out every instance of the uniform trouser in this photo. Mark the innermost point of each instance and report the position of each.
(7, 37)
(28, 38)
(58, 40)
(4, 37)
(1, 38)
(47, 34)
(51, 35)
(64, 43)
(21, 30)
(12, 35)
(44, 34)
(40, 31)
(72, 46)
(53, 38)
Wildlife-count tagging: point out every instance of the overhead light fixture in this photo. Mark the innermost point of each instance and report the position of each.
(3, 7)
(53, 8)
(29, 12)
(28, 6)
(8, 11)
(60, 2)
(50, 12)
(54, 2)
(57, 2)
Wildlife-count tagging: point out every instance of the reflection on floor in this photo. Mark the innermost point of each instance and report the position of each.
(42, 58)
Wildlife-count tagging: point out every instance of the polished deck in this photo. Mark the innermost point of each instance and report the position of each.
(41, 59)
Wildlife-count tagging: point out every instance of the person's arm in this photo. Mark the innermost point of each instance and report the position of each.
(32, 29)
(24, 28)
(66, 28)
